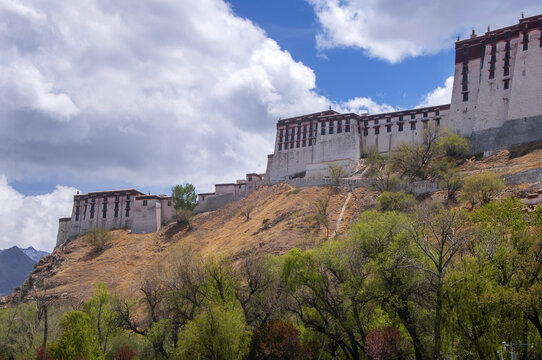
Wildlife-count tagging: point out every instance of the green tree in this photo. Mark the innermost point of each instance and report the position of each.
(453, 144)
(327, 293)
(99, 308)
(481, 188)
(218, 333)
(395, 201)
(440, 234)
(451, 181)
(415, 161)
(395, 282)
(184, 197)
(78, 339)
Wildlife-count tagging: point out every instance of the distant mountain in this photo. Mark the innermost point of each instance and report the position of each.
(15, 265)
(34, 254)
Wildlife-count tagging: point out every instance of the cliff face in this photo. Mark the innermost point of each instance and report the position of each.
(278, 222)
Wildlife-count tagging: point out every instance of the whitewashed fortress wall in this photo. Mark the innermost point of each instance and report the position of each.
(496, 99)
(129, 209)
(305, 146)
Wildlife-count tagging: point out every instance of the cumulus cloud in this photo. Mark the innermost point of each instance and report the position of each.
(32, 220)
(441, 95)
(396, 29)
(360, 105)
(149, 94)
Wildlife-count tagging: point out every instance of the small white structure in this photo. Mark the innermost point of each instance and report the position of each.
(116, 209)
(227, 193)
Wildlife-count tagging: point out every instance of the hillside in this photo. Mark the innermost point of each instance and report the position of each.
(278, 223)
(15, 266)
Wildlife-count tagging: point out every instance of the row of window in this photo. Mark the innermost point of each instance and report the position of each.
(104, 211)
(331, 127)
(402, 118)
(93, 200)
(296, 144)
(400, 127)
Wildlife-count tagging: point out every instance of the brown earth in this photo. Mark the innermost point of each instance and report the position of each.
(279, 222)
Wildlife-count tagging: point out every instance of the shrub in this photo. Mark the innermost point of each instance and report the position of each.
(185, 216)
(386, 344)
(319, 214)
(454, 145)
(277, 339)
(98, 238)
(481, 188)
(395, 201)
(451, 181)
(336, 172)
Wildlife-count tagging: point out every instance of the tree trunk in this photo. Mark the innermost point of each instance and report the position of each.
(45, 327)
(438, 315)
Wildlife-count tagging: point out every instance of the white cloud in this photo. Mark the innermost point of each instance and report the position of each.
(365, 105)
(32, 220)
(441, 95)
(146, 93)
(396, 29)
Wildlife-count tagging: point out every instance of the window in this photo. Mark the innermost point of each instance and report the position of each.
(413, 116)
(330, 127)
(292, 137)
(388, 119)
(280, 147)
(127, 209)
(365, 123)
(425, 114)
(116, 198)
(280, 133)
(347, 127)
(400, 117)
(93, 200)
(388, 128)
(304, 143)
(493, 50)
(92, 210)
(377, 130)
(365, 132)
(506, 71)
(339, 126)
(412, 126)
(322, 128)
(78, 202)
(116, 209)
(297, 144)
(437, 112)
(77, 213)
(525, 41)
(400, 126)
(310, 142)
(145, 201)
(506, 84)
(491, 75)
(466, 96)
(507, 45)
(464, 87)
(105, 198)
(376, 121)
(169, 203)
(104, 211)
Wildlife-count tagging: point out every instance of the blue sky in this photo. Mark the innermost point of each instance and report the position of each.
(101, 95)
(344, 73)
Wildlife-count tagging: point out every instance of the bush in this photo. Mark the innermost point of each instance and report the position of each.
(217, 333)
(386, 344)
(481, 188)
(277, 339)
(98, 238)
(451, 181)
(395, 201)
(454, 145)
